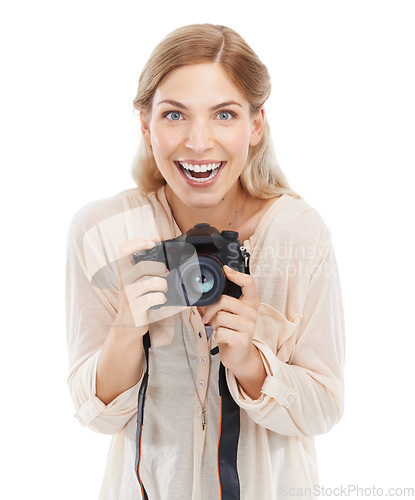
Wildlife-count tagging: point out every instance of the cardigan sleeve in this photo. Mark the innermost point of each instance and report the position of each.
(303, 393)
(90, 312)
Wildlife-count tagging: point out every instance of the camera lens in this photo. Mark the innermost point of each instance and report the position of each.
(204, 283)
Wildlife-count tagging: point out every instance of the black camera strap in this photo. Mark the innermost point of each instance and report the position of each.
(140, 414)
(228, 441)
(228, 433)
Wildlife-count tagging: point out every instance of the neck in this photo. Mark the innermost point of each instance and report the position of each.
(222, 215)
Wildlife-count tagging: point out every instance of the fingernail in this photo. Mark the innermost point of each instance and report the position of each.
(229, 269)
(150, 243)
(204, 319)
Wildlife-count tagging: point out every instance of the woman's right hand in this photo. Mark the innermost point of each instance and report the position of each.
(142, 285)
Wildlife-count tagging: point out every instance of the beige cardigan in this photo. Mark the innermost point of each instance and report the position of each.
(299, 333)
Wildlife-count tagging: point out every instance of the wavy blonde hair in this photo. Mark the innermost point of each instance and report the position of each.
(199, 43)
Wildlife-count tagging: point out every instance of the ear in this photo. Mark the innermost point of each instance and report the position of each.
(145, 128)
(257, 127)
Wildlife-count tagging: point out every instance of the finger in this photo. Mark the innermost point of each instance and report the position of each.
(142, 270)
(231, 321)
(224, 303)
(233, 339)
(139, 308)
(151, 299)
(127, 248)
(129, 270)
(146, 285)
(230, 304)
(247, 284)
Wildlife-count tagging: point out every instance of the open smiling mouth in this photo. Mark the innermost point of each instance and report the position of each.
(200, 173)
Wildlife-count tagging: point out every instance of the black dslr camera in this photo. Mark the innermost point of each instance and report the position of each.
(195, 261)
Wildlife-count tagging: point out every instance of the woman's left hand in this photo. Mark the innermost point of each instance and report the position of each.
(234, 320)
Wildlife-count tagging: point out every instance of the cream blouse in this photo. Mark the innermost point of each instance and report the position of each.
(299, 333)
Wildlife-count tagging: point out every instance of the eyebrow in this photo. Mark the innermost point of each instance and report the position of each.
(213, 108)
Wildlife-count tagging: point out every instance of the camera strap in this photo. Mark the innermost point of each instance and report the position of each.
(140, 414)
(228, 433)
(228, 441)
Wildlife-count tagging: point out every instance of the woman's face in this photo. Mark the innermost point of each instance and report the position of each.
(201, 120)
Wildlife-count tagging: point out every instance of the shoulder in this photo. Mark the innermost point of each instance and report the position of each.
(303, 218)
(99, 228)
(100, 213)
(96, 211)
(294, 221)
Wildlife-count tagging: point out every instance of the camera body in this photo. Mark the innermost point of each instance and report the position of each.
(195, 262)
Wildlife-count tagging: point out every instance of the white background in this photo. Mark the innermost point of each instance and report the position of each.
(342, 114)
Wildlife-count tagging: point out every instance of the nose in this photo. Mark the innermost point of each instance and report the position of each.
(199, 139)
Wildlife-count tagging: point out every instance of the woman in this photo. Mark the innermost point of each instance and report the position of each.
(206, 157)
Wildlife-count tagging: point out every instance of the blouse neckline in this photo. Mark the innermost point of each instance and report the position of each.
(250, 242)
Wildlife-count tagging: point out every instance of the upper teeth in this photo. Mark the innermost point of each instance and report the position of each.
(200, 168)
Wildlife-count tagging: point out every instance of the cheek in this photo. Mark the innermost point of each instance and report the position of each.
(237, 142)
(162, 140)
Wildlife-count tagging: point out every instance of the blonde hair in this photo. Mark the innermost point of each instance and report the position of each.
(199, 43)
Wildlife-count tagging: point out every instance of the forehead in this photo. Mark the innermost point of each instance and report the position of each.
(204, 83)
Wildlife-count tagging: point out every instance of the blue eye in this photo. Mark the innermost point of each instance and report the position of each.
(226, 115)
(174, 115)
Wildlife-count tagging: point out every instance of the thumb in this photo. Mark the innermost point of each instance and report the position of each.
(246, 282)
